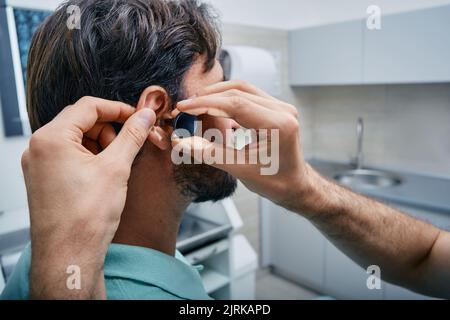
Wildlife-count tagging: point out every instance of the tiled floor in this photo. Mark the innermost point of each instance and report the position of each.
(271, 287)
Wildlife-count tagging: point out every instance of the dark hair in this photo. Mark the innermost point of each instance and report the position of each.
(123, 47)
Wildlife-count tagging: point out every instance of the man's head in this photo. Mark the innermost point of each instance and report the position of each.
(147, 53)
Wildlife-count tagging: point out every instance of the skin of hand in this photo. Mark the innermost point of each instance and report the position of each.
(76, 193)
(252, 108)
(409, 252)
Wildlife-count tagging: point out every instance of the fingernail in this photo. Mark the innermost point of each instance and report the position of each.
(160, 138)
(146, 117)
(188, 100)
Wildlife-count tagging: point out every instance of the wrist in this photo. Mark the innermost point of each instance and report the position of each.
(307, 192)
(66, 269)
(70, 245)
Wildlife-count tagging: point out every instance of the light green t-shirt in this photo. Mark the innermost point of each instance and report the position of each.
(131, 273)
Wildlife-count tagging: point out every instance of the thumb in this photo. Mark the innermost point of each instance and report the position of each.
(132, 137)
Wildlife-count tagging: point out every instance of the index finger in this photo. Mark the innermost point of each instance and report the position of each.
(234, 84)
(88, 111)
(244, 111)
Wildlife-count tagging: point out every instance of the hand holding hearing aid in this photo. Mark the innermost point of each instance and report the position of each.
(253, 109)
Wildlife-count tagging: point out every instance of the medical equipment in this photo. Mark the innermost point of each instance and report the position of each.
(183, 123)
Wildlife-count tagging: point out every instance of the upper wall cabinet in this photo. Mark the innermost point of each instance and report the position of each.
(412, 47)
(327, 55)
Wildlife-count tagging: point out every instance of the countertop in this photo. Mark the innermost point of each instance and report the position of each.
(421, 191)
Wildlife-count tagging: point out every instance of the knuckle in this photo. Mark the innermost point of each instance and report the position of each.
(39, 143)
(25, 160)
(86, 100)
(69, 107)
(291, 125)
(234, 93)
(241, 84)
(292, 109)
(237, 101)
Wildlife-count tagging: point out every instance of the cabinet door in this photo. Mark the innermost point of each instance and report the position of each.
(411, 47)
(393, 292)
(293, 246)
(327, 55)
(344, 279)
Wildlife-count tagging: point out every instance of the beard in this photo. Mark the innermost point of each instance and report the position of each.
(204, 183)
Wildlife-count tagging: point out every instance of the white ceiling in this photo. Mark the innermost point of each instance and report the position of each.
(291, 14)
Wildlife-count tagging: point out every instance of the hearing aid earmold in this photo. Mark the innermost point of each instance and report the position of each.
(184, 121)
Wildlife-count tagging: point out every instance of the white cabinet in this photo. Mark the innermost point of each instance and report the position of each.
(293, 246)
(412, 47)
(2, 282)
(392, 292)
(345, 279)
(229, 268)
(327, 55)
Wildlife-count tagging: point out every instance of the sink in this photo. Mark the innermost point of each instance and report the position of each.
(368, 179)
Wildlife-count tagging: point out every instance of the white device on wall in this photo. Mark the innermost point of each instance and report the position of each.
(257, 66)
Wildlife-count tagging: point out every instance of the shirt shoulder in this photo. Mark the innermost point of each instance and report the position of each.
(18, 286)
(130, 273)
(126, 289)
(142, 273)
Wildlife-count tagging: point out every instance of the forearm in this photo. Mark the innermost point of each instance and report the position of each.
(369, 232)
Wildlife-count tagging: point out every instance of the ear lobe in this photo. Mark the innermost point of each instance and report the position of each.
(157, 99)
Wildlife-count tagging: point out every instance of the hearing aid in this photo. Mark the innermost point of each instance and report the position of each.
(184, 121)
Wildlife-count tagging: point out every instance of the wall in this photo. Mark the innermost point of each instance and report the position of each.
(289, 14)
(293, 14)
(407, 126)
(12, 188)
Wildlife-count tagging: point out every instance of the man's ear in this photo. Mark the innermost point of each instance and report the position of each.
(157, 99)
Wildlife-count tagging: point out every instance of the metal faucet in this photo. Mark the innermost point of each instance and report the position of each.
(360, 135)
